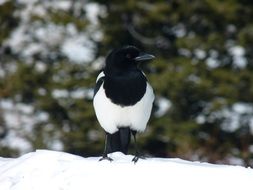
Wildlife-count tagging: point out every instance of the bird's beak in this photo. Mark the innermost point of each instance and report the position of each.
(144, 57)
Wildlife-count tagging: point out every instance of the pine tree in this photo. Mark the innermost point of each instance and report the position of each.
(57, 89)
(203, 69)
(8, 22)
(203, 66)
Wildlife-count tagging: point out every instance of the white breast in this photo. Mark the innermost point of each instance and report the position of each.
(112, 116)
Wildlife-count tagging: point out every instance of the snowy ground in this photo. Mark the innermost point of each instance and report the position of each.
(49, 170)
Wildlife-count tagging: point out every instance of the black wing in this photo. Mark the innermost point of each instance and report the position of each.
(98, 85)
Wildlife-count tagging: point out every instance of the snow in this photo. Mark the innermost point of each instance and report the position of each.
(45, 38)
(212, 63)
(235, 51)
(240, 114)
(238, 54)
(92, 12)
(78, 93)
(14, 115)
(163, 106)
(179, 30)
(52, 170)
(2, 2)
(233, 117)
(61, 5)
(184, 52)
(78, 49)
(199, 53)
(75, 45)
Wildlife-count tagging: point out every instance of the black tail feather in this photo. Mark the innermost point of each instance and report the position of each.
(118, 141)
(112, 143)
(125, 137)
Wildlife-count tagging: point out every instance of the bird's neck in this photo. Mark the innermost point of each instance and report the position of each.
(120, 73)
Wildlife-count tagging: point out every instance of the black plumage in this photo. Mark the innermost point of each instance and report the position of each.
(123, 99)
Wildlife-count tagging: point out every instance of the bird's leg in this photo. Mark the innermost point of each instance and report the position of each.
(105, 155)
(137, 152)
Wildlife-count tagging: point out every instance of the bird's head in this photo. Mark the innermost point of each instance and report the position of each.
(124, 59)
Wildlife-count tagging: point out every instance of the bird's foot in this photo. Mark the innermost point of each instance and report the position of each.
(137, 157)
(105, 157)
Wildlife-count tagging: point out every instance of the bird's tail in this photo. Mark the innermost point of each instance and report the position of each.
(118, 141)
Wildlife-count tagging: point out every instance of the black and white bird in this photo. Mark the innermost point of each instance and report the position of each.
(123, 99)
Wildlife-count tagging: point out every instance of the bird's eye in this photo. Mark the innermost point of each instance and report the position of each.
(128, 56)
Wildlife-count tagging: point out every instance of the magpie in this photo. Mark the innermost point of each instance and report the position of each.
(123, 99)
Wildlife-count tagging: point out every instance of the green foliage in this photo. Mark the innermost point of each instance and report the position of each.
(7, 20)
(176, 31)
(195, 69)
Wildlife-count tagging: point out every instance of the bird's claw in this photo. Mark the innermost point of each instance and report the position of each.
(106, 158)
(137, 157)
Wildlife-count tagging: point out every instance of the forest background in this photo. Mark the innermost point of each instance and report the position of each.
(52, 51)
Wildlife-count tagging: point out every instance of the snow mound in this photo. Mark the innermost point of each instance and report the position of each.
(50, 170)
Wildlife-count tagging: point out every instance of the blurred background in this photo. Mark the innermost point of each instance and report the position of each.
(51, 52)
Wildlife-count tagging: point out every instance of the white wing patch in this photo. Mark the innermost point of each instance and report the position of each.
(100, 75)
